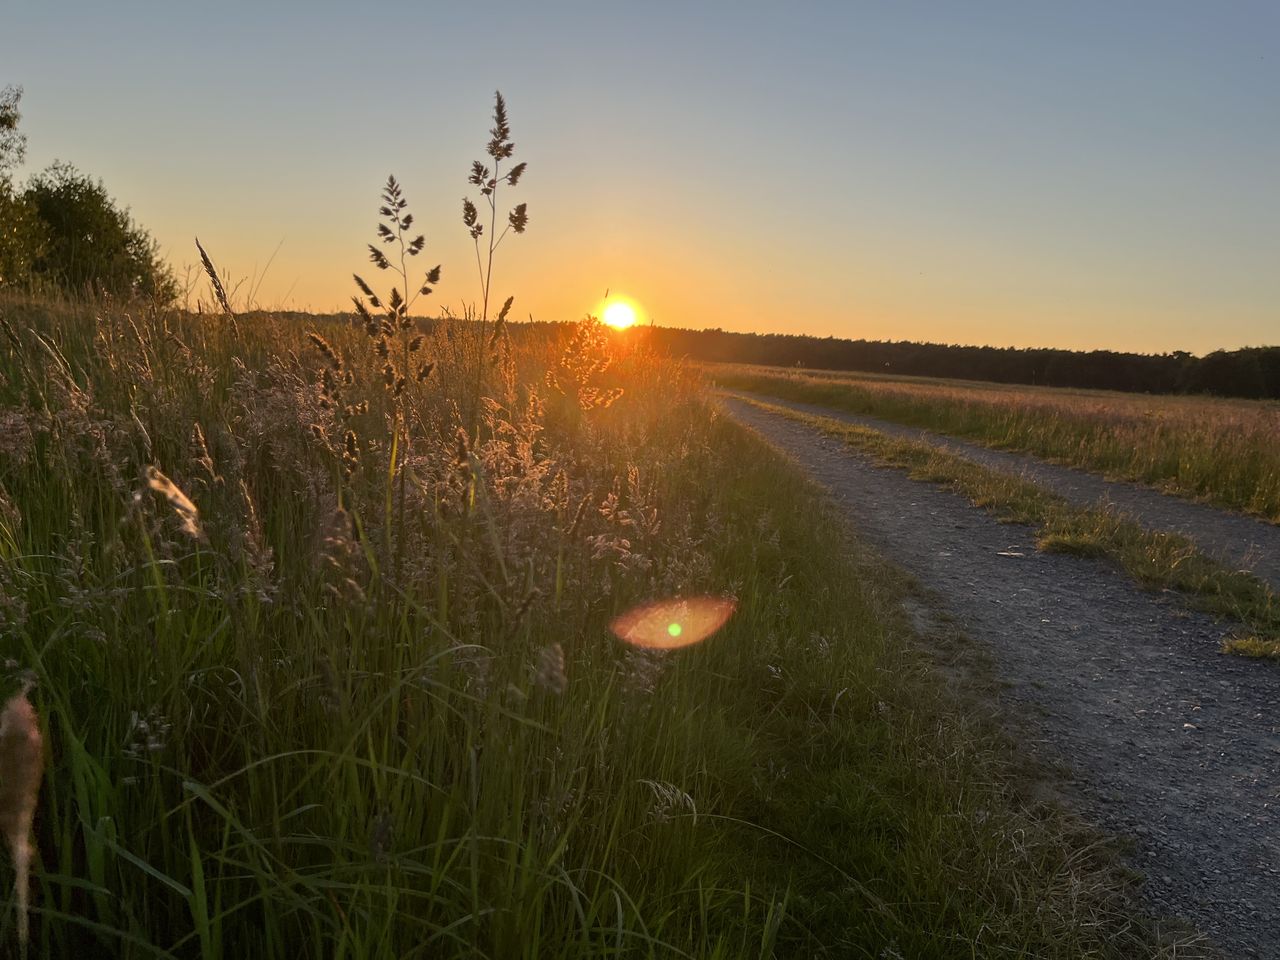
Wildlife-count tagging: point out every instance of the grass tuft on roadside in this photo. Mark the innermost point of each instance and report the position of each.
(1075, 544)
(1262, 648)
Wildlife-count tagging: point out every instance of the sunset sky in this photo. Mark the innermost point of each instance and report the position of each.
(1079, 175)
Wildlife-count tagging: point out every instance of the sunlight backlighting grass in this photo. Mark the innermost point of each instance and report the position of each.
(316, 615)
(364, 718)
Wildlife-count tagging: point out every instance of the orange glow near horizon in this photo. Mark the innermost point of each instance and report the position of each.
(1110, 197)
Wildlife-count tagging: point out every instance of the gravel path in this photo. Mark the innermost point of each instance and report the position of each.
(1240, 541)
(1169, 742)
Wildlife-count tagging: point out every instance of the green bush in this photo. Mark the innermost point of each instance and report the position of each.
(90, 244)
(64, 230)
(21, 236)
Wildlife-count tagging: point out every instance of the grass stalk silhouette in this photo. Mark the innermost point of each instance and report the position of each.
(491, 180)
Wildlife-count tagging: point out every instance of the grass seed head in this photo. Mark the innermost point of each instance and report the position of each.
(550, 673)
(218, 290)
(326, 349)
(21, 767)
(188, 515)
(201, 455)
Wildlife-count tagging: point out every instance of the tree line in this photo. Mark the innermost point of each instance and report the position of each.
(1252, 372)
(62, 230)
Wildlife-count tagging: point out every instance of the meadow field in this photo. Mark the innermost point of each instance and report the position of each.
(349, 616)
(1226, 452)
(322, 665)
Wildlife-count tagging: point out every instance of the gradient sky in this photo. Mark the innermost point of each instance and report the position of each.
(1078, 174)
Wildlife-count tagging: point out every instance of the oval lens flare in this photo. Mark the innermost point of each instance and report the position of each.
(668, 624)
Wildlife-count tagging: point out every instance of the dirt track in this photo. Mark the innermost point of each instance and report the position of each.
(1242, 542)
(1169, 742)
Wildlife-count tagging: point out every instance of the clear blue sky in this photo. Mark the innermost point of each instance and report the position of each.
(1076, 174)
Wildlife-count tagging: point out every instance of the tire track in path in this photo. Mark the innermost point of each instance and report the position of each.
(1169, 742)
(1235, 539)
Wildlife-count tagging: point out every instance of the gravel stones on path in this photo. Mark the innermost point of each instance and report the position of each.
(1170, 742)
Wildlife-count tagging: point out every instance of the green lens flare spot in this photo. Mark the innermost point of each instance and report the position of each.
(674, 629)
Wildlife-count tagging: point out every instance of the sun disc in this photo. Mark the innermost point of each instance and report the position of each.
(619, 315)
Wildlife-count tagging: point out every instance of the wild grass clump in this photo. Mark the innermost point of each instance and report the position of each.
(1223, 451)
(1075, 544)
(320, 619)
(1249, 645)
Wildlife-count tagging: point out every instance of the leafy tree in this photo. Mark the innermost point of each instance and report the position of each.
(21, 236)
(21, 233)
(13, 145)
(90, 243)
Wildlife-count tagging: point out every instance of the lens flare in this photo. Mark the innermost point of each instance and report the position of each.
(668, 624)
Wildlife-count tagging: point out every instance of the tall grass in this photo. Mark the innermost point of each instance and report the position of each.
(1223, 451)
(263, 737)
(318, 619)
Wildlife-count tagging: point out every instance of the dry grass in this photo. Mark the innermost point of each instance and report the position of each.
(1250, 645)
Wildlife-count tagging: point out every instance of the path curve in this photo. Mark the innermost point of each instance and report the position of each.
(1170, 742)
(1235, 539)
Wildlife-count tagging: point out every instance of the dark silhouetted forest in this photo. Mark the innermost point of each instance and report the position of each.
(1252, 372)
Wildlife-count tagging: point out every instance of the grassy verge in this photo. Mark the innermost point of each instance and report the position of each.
(1157, 560)
(1224, 451)
(338, 682)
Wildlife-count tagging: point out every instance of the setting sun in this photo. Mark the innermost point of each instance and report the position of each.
(620, 315)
